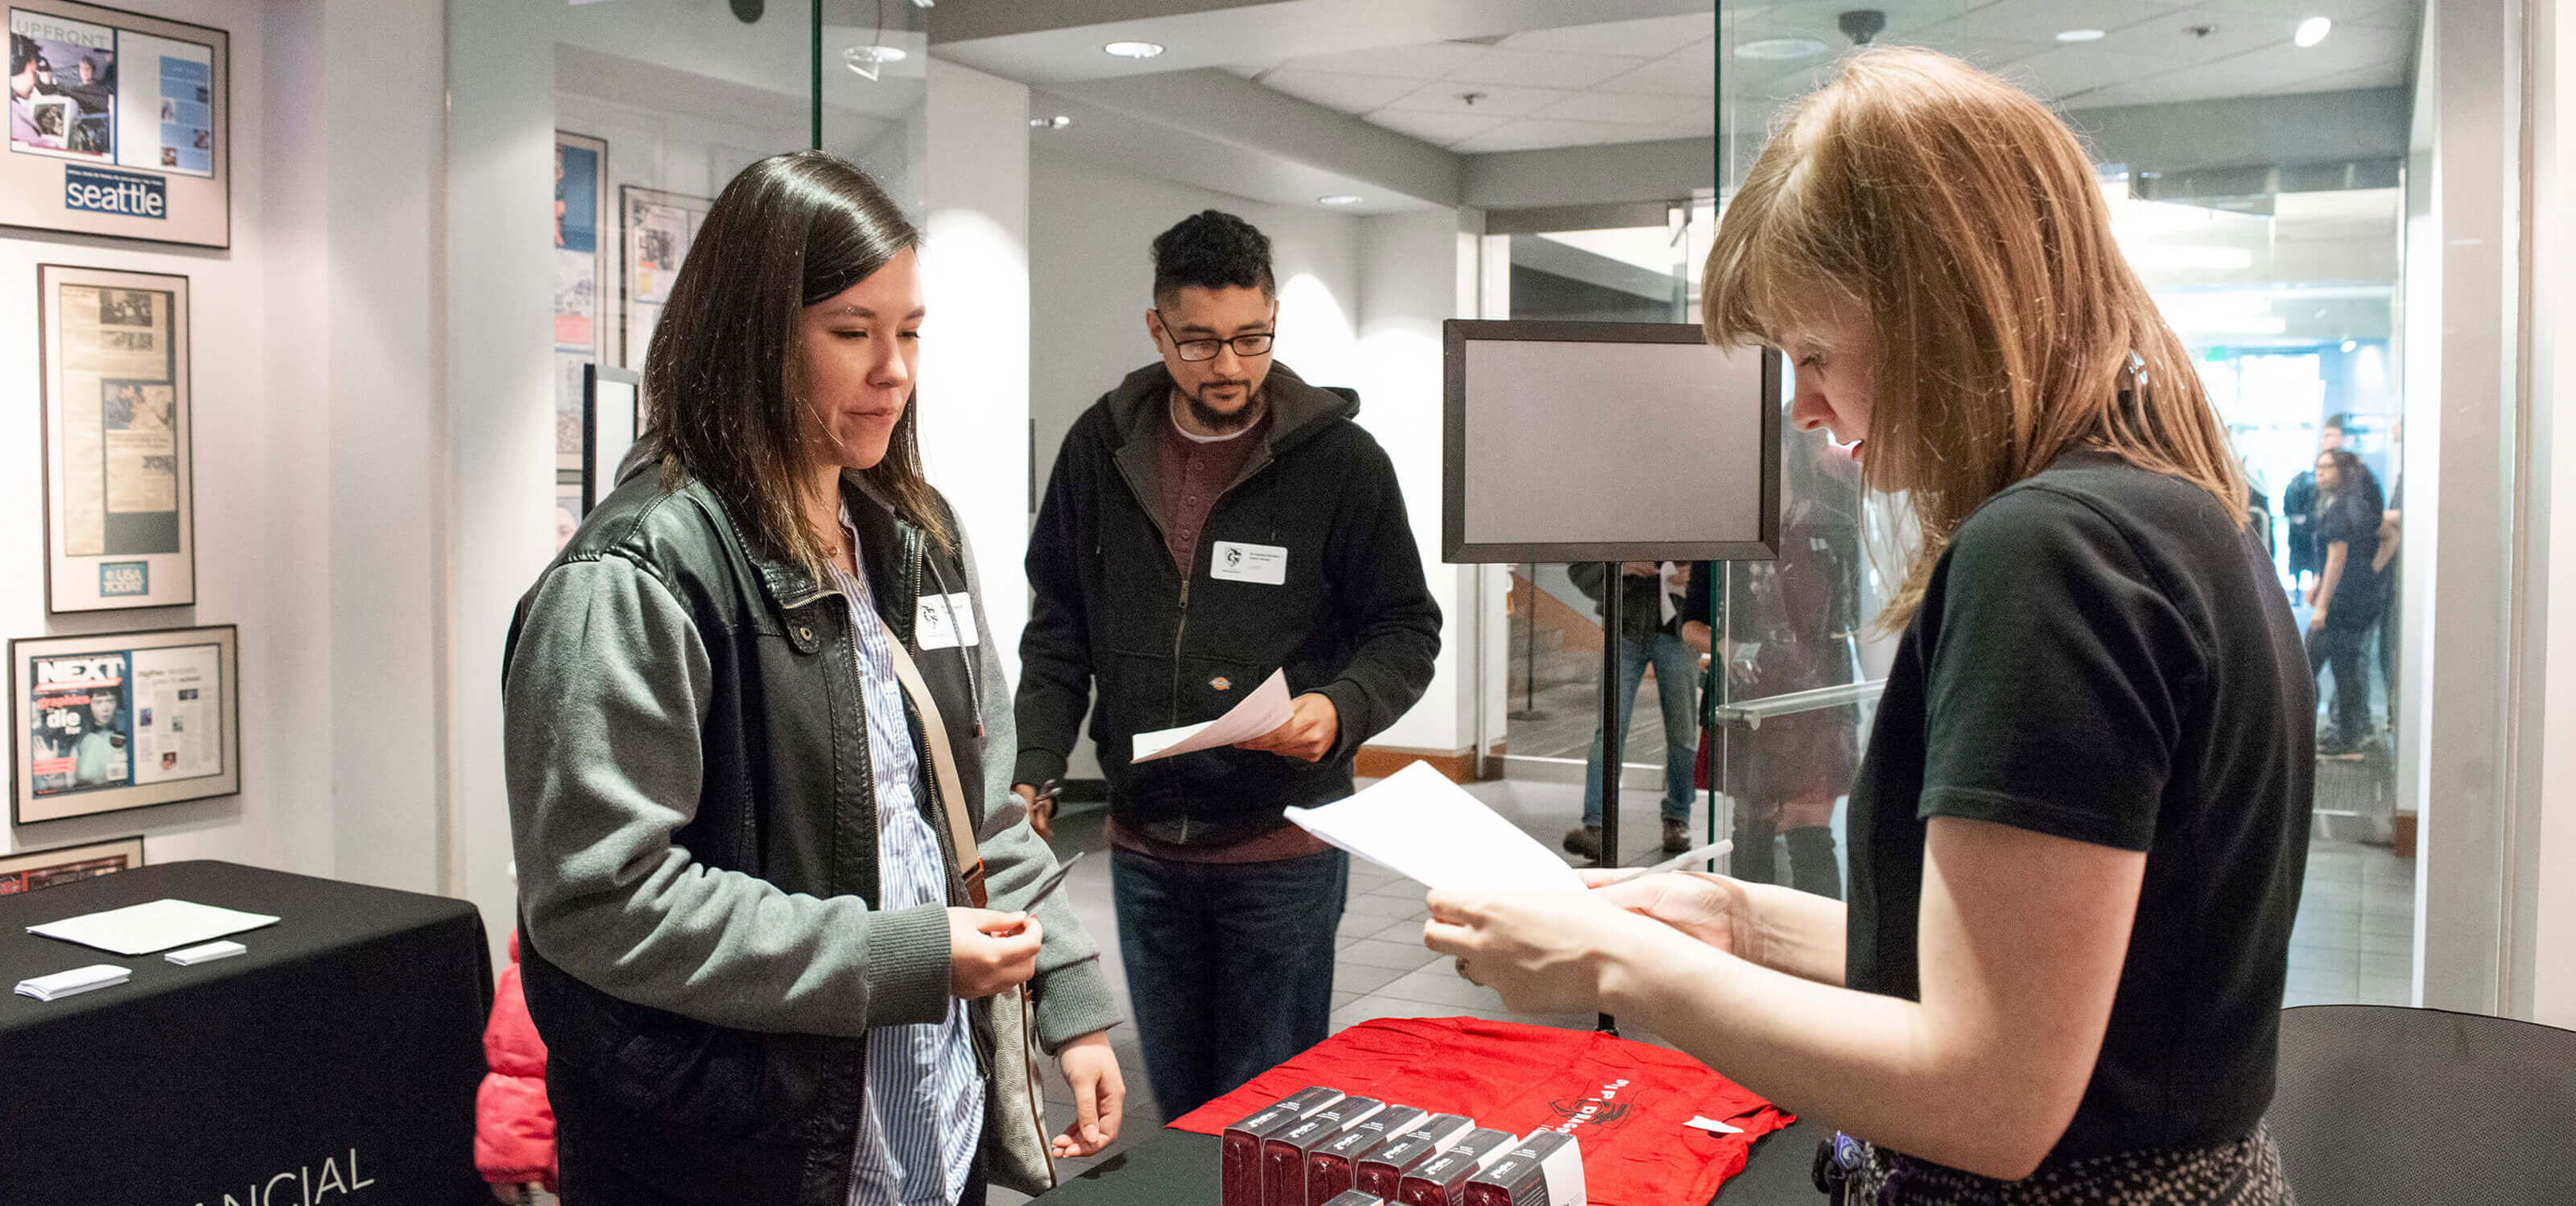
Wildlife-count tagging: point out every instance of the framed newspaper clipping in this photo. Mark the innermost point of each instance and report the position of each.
(119, 125)
(123, 720)
(659, 228)
(581, 328)
(113, 357)
(29, 870)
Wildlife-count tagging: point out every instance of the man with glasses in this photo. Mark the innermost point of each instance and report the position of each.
(1211, 520)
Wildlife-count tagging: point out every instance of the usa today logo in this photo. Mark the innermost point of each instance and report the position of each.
(125, 194)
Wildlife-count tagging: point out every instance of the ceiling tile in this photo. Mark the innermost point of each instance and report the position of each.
(1492, 100)
(1530, 134)
(2171, 35)
(1976, 49)
(2040, 20)
(1438, 129)
(1540, 68)
(1630, 107)
(1333, 90)
(2399, 13)
(1426, 61)
(2066, 70)
(1666, 77)
(1653, 37)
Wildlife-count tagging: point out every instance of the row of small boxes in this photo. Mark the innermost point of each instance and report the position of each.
(1322, 1147)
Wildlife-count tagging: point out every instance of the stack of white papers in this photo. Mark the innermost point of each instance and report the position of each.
(74, 982)
(156, 926)
(1265, 709)
(1420, 825)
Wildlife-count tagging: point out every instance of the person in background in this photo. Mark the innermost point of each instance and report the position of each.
(2349, 594)
(1211, 520)
(760, 970)
(1789, 626)
(2079, 831)
(514, 1128)
(2299, 510)
(1650, 620)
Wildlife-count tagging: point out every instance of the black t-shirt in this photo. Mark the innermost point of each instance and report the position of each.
(2347, 518)
(2103, 654)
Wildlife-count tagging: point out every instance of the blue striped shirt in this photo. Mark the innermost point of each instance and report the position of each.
(925, 1100)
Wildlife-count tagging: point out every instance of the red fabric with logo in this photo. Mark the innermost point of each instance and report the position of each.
(1629, 1104)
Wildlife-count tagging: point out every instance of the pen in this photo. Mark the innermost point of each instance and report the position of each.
(1675, 863)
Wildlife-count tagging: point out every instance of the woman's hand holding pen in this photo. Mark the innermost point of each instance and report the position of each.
(990, 951)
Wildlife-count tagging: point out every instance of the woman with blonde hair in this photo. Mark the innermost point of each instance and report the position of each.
(2079, 829)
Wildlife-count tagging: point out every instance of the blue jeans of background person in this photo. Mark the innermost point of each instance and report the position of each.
(1677, 686)
(1229, 965)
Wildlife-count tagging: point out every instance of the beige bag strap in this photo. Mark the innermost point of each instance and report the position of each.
(943, 760)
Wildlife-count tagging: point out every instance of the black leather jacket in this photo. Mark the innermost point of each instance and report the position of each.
(695, 823)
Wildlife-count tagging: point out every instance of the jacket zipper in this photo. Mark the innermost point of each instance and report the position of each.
(1189, 574)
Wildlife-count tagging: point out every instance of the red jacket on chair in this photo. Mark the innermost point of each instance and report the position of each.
(514, 1128)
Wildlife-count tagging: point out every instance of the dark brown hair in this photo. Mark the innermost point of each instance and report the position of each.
(723, 389)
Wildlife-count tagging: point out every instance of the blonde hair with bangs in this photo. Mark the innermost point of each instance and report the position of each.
(1962, 221)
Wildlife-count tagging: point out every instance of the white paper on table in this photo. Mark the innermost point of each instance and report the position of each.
(1420, 825)
(1263, 710)
(155, 926)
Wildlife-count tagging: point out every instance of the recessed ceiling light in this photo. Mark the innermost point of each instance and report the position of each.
(2312, 31)
(1773, 49)
(864, 61)
(2079, 35)
(1338, 199)
(1057, 122)
(1134, 50)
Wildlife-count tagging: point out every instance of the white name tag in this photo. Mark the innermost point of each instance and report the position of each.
(1266, 564)
(945, 622)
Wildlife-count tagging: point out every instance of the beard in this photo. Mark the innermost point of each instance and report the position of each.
(1219, 422)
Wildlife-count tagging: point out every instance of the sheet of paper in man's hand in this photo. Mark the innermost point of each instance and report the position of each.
(1420, 825)
(1265, 709)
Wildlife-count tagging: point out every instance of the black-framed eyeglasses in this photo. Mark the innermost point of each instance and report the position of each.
(1247, 345)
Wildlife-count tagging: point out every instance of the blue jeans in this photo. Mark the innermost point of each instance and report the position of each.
(1229, 965)
(1676, 685)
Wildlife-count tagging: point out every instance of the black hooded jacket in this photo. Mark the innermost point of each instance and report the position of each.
(1352, 620)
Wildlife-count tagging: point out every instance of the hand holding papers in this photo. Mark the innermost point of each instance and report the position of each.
(1265, 709)
(1418, 824)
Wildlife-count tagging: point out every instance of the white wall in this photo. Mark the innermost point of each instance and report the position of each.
(974, 407)
(2551, 945)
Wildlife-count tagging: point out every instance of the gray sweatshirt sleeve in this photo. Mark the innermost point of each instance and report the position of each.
(1072, 995)
(601, 708)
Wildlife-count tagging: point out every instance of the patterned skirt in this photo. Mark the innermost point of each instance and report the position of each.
(2245, 1172)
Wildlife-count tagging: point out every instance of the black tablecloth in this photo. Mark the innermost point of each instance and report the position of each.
(344, 1047)
(1179, 1168)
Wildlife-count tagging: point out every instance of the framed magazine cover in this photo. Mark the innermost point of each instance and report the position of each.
(657, 228)
(581, 329)
(30, 870)
(119, 125)
(120, 521)
(120, 720)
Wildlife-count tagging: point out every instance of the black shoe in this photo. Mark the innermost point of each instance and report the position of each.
(2336, 745)
(1676, 836)
(1584, 840)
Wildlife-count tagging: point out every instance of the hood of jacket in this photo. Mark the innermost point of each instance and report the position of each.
(1297, 410)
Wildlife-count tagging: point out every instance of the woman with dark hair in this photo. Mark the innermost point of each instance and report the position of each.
(745, 934)
(2348, 596)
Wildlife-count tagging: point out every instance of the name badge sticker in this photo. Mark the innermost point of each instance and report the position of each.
(945, 622)
(1266, 564)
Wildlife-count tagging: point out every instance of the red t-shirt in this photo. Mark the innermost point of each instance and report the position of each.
(1628, 1103)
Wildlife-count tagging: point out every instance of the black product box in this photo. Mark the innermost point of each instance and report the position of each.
(1380, 1170)
(1442, 1180)
(1544, 1170)
(1284, 1153)
(1333, 1169)
(1239, 1178)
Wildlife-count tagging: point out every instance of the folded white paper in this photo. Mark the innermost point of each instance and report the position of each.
(207, 953)
(1713, 1126)
(1265, 709)
(74, 982)
(154, 926)
(1420, 825)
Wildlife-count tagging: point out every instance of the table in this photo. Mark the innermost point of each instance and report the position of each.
(1179, 1168)
(342, 1051)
